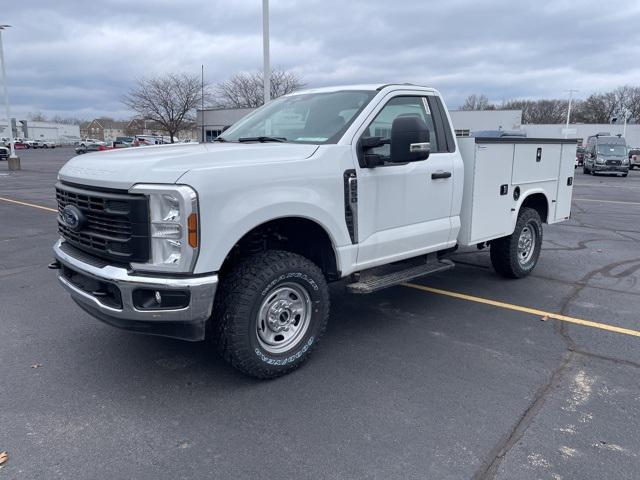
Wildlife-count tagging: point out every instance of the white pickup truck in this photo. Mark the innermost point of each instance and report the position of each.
(236, 240)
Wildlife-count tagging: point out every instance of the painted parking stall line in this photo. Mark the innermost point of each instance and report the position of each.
(580, 199)
(26, 204)
(532, 311)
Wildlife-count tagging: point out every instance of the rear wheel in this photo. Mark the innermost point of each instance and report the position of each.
(516, 256)
(585, 170)
(270, 311)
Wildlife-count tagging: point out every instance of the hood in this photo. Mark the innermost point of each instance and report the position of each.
(123, 168)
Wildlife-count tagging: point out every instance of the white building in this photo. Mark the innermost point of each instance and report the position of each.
(582, 130)
(466, 121)
(217, 119)
(27, 129)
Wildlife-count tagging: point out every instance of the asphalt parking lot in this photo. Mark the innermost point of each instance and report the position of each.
(408, 383)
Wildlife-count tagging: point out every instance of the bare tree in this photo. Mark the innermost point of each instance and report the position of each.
(169, 100)
(477, 102)
(37, 117)
(597, 108)
(539, 111)
(245, 90)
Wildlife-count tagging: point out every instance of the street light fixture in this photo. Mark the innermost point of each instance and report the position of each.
(14, 161)
(266, 67)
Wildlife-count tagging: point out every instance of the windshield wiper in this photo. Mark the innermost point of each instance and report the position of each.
(262, 139)
(219, 139)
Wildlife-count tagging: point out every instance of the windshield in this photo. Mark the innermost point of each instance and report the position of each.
(612, 150)
(305, 118)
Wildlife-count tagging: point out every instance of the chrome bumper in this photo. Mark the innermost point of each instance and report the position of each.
(187, 323)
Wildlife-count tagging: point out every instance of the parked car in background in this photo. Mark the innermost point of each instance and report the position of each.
(92, 147)
(48, 144)
(142, 140)
(123, 142)
(606, 153)
(90, 141)
(4, 153)
(19, 144)
(634, 158)
(580, 156)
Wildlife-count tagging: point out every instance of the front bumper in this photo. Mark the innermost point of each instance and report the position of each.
(187, 323)
(610, 168)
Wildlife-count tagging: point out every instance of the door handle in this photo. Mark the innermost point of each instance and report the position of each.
(436, 175)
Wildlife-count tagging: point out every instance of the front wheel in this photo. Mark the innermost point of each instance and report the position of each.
(270, 312)
(516, 256)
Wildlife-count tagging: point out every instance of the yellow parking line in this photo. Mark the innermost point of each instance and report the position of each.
(604, 201)
(532, 311)
(29, 204)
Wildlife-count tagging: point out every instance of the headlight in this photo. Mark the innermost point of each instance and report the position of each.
(599, 160)
(173, 217)
(625, 161)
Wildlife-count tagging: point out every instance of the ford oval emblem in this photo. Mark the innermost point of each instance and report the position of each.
(72, 217)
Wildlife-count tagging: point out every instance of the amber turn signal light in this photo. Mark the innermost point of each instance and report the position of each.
(192, 224)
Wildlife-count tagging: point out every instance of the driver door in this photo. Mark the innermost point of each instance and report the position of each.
(404, 209)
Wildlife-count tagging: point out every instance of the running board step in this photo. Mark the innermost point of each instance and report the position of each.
(371, 282)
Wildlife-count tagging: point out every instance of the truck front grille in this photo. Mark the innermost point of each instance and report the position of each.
(114, 226)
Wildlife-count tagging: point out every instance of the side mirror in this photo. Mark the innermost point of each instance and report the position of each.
(409, 140)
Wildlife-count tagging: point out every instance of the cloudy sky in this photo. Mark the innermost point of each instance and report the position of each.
(77, 58)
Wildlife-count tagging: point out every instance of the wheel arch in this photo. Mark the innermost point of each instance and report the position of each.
(537, 200)
(296, 234)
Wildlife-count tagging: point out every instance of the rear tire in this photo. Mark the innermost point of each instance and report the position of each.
(516, 256)
(585, 170)
(270, 312)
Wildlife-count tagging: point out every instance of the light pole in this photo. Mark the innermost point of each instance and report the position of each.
(14, 161)
(566, 130)
(266, 70)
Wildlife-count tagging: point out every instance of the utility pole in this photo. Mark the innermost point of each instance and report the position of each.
(624, 129)
(566, 130)
(266, 70)
(202, 102)
(14, 161)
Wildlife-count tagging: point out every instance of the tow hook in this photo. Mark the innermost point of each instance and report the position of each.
(55, 265)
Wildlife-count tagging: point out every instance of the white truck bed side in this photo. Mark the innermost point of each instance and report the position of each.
(496, 168)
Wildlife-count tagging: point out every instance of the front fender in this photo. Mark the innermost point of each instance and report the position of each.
(237, 214)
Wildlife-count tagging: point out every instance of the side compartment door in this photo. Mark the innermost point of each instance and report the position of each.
(403, 209)
(565, 182)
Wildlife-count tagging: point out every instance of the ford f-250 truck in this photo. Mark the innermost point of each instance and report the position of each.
(236, 240)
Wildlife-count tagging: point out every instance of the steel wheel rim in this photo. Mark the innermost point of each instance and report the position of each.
(283, 318)
(527, 243)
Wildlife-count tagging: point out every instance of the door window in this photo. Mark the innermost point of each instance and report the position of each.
(400, 107)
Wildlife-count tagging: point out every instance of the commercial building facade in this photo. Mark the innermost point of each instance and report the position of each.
(32, 130)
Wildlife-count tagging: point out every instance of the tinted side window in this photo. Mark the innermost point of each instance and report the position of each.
(443, 129)
(396, 107)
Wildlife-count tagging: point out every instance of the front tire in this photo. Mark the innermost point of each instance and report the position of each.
(270, 312)
(516, 256)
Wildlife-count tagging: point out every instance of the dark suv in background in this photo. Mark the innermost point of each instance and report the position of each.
(606, 153)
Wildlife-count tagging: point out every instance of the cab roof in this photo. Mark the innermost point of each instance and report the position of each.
(364, 86)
